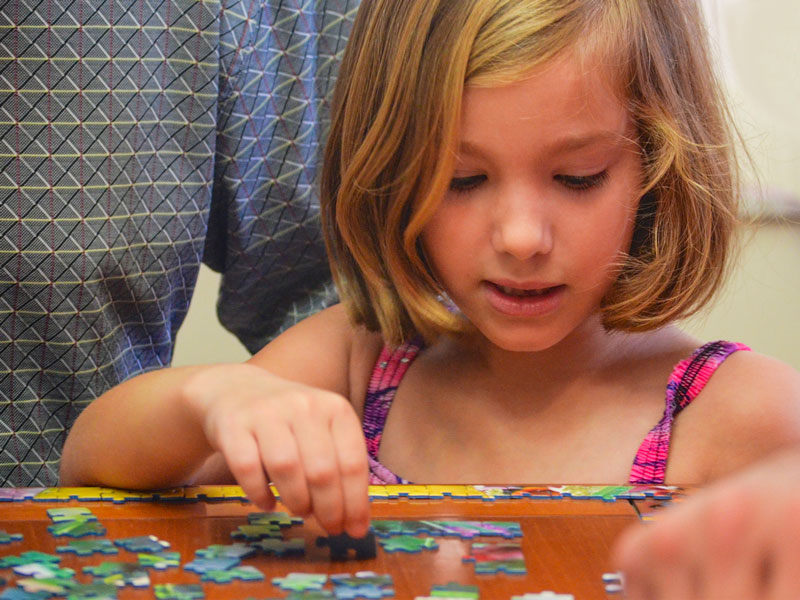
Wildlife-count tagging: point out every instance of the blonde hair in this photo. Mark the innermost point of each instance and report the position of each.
(397, 103)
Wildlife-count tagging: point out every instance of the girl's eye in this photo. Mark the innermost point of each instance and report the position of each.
(582, 182)
(465, 184)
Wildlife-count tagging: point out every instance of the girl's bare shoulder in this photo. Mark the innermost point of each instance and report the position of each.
(752, 406)
(325, 350)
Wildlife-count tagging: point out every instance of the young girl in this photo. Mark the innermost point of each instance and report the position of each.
(519, 198)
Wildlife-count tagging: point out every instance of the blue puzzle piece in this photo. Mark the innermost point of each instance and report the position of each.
(20, 594)
(60, 515)
(25, 558)
(293, 546)
(159, 560)
(87, 547)
(245, 573)
(144, 543)
(227, 551)
(363, 591)
(7, 538)
(201, 565)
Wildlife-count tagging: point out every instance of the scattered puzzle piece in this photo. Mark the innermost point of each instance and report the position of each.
(257, 532)
(92, 591)
(20, 594)
(77, 528)
(221, 563)
(494, 558)
(87, 547)
(28, 557)
(408, 543)
(57, 587)
(59, 515)
(245, 573)
(227, 551)
(300, 582)
(43, 571)
(293, 546)
(173, 591)
(7, 538)
(455, 590)
(546, 595)
(281, 519)
(614, 582)
(339, 546)
(461, 529)
(364, 584)
(143, 543)
(120, 574)
(160, 560)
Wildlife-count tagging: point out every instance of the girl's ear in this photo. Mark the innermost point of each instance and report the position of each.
(643, 224)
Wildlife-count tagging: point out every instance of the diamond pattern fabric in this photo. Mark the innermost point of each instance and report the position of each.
(138, 139)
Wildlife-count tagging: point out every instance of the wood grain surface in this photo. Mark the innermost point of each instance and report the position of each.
(565, 542)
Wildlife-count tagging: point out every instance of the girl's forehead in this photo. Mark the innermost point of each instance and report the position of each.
(561, 90)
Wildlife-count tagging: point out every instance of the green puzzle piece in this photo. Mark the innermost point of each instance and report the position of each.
(408, 543)
(77, 528)
(246, 573)
(257, 532)
(173, 591)
(59, 515)
(120, 574)
(300, 582)
(93, 591)
(226, 551)
(27, 558)
(455, 590)
(281, 547)
(281, 519)
(87, 547)
(7, 538)
(160, 560)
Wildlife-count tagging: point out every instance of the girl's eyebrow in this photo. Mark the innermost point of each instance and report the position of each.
(564, 145)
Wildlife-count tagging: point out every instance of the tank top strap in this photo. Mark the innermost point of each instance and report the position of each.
(383, 383)
(687, 380)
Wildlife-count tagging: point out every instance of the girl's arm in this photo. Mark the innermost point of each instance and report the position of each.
(283, 417)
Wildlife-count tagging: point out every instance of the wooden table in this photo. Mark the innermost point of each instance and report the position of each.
(565, 541)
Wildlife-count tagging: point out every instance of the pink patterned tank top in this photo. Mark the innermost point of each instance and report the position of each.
(688, 378)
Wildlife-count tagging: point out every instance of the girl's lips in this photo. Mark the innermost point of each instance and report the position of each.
(520, 303)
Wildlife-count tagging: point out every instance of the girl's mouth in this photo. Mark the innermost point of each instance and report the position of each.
(522, 301)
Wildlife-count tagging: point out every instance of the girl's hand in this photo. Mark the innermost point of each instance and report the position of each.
(308, 442)
(739, 538)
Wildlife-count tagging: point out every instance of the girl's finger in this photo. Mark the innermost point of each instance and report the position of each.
(281, 456)
(354, 472)
(242, 455)
(318, 454)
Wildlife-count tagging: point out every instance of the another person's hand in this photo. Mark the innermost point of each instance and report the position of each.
(308, 442)
(738, 539)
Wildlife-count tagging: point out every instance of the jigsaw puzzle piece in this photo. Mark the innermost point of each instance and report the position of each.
(408, 543)
(142, 543)
(300, 582)
(293, 546)
(455, 590)
(227, 551)
(175, 591)
(43, 571)
(159, 560)
(245, 573)
(92, 591)
(545, 595)
(119, 574)
(340, 545)
(59, 515)
(87, 547)
(221, 563)
(281, 519)
(25, 558)
(7, 538)
(76, 529)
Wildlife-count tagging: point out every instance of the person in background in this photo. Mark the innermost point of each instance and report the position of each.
(138, 140)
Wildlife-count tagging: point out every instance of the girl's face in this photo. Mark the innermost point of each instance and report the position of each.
(541, 205)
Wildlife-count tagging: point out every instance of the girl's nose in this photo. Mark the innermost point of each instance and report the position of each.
(522, 227)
